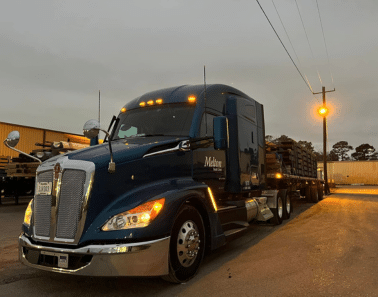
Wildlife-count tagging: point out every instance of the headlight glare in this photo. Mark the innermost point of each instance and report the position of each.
(138, 217)
(28, 213)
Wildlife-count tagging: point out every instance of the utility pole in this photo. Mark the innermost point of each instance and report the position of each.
(99, 106)
(323, 92)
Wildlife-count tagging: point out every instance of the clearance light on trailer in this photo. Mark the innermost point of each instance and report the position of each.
(159, 101)
(123, 110)
(212, 198)
(278, 175)
(192, 98)
(142, 104)
(150, 102)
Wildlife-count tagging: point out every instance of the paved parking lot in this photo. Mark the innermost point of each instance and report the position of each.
(327, 249)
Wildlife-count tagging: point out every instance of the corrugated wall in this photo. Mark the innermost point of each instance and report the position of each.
(352, 172)
(29, 136)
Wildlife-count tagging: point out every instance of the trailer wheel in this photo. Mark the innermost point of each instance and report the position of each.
(279, 211)
(288, 207)
(187, 245)
(320, 192)
(314, 194)
(308, 194)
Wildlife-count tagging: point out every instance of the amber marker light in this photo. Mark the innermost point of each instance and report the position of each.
(192, 98)
(150, 102)
(123, 109)
(159, 101)
(278, 175)
(28, 213)
(212, 198)
(142, 104)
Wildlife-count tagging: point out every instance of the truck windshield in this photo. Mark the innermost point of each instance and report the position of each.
(164, 120)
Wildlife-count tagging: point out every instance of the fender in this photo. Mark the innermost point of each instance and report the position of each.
(176, 192)
(272, 195)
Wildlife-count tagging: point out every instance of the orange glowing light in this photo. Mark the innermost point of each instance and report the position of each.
(150, 102)
(159, 101)
(323, 111)
(192, 98)
(142, 104)
(123, 109)
(278, 175)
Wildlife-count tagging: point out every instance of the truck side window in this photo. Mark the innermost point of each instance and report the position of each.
(210, 118)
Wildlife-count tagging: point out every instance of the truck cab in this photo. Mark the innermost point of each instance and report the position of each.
(187, 172)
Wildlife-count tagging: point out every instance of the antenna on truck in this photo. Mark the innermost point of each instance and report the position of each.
(99, 106)
(204, 82)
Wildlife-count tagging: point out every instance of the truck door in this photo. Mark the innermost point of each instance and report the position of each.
(209, 165)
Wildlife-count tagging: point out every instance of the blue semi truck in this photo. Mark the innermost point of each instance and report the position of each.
(181, 170)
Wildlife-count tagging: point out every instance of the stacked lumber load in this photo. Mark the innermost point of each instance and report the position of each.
(296, 160)
(21, 169)
(4, 160)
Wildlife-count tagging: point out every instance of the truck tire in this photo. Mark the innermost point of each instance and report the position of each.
(320, 192)
(308, 194)
(187, 245)
(314, 194)
(278, 212)
(288, 207)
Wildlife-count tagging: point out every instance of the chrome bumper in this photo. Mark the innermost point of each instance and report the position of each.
(148, 258)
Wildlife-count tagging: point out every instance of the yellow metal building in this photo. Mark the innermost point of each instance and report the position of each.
(30, 135)
(351, 172)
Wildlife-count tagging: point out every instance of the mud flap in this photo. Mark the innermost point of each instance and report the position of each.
(264, 212)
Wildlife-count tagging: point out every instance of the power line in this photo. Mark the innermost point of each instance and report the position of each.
(320, 79)
(325, 44)
(284, 47)
(292, 46)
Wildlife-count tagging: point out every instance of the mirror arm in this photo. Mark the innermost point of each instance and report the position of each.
(111, 168)
(12, 148)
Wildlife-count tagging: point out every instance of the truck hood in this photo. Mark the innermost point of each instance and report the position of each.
(124, 150)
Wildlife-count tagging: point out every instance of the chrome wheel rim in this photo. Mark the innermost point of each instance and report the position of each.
(279, 207)
(288, 205)
(188, 242)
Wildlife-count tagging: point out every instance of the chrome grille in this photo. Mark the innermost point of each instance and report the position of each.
(70, 202)
(42, 207)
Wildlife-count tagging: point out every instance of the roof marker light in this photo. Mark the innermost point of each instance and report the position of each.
(192, 98)
(142, 104)
(150, 102)
(159, 101)
(123, 109)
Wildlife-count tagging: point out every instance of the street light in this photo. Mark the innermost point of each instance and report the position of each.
(323, 111)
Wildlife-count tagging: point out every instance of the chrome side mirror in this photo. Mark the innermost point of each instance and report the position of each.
(13, 138)
(91, 129)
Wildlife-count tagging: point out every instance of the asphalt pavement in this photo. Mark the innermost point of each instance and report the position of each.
(325, 249)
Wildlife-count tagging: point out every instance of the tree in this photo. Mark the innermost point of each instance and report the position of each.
(331, 156)
(374, 156)
(307, 145)
(364, 152)
(269, 138)
(341, 149)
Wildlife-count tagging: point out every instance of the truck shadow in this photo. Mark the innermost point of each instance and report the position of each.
(121, 286)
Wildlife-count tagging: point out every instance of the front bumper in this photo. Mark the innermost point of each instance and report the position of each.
(149, 258)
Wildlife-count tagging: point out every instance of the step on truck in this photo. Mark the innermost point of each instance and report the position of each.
(181, 170)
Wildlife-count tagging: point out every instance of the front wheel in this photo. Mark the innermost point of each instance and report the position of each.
(187, 245)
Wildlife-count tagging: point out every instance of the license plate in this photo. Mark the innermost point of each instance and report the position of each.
(62, 258)
(44, 188)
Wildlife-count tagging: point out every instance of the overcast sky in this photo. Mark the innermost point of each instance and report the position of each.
(56, 55)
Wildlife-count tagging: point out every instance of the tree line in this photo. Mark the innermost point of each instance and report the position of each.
(340, 150)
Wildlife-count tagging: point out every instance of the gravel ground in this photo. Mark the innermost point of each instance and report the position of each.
(327, 249)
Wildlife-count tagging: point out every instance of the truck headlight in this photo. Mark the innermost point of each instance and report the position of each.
(28, 213)
(138, 217)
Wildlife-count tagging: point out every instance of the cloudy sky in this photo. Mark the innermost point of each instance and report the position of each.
(56, 55)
